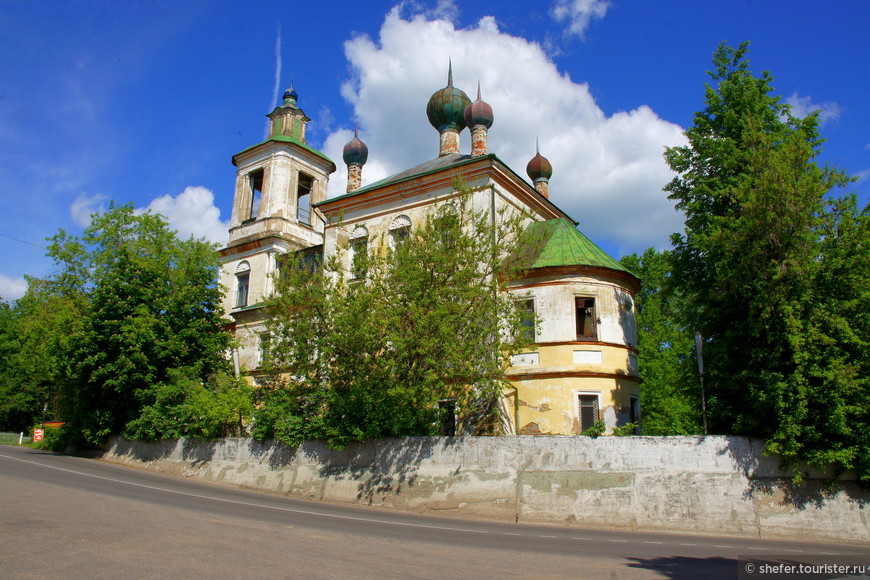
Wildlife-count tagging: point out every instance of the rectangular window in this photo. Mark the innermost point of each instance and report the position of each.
(586, 323)
(303, 199)
(527, 318)
(263, 344)
(242, 281)
(255, 182)
(588, 411)
(398, 236)
(359, 257)
(447, 411)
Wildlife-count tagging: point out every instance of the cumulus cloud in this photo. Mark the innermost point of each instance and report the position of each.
(578, 14)
(12, 288)
(803, 106)
(192, 213)
(608, 171)
(86, 205)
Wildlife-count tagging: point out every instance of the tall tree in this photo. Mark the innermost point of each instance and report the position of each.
(152, 314)
(670, 393)
(374, 356)
(750, 261)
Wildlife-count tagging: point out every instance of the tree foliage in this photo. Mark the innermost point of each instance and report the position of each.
(147, 315)
(765, 275)
(373, 357)
(670, 393)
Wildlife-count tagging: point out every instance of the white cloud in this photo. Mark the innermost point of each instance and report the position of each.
(192, 213)
(578, 14)
(12, 288)
(85, 205)
(803, 106)
(608, 172)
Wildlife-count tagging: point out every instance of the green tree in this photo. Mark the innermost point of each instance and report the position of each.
(33, 338)
(750, 264)
(670, 393)
(152, 312)
(373, 357)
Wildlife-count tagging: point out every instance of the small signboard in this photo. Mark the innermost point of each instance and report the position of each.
(37, 434)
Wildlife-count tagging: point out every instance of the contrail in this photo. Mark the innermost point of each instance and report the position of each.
(277, 89)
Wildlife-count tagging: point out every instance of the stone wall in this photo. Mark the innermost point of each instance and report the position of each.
(720, 485)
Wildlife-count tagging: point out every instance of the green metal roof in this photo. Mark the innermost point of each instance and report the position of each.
(287, 139)
(557, 242)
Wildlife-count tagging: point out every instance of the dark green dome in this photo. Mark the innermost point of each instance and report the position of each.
(446, 108)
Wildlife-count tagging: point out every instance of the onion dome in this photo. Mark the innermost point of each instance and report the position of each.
(356, 152)
(290, 95)
(539, 167)
(479, 112)
(446, 108)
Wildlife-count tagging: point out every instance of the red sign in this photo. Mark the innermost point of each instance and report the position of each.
(37, 434)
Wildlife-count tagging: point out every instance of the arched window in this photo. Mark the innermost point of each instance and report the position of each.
(243, 281)
(400, 229)
(358, 248)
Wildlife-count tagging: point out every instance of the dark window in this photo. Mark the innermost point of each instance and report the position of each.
(588, 411)
(255, 181)
(447, 411)
(303, 199)
(398, 236)
(585, 312)
(311, 259)
(242, 281)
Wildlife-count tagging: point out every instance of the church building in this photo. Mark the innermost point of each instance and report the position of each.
(583, 368)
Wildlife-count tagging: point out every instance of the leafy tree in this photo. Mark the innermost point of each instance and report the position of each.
(33, 336)
(670, 393)
(373, 357)
(760, 241)
(152, 312)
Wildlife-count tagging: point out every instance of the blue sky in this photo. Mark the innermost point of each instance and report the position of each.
(147, 101)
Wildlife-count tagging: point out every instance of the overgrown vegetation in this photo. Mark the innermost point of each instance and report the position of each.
(126, 337)
(427, 329)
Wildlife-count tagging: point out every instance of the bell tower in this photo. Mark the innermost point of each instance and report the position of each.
(278, 183)
(279, 180)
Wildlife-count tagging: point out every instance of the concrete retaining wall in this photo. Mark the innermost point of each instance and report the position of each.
(721, 485)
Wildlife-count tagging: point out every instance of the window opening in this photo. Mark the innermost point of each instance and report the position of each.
(400, 229)
(303, 198)
(585, 313)
(242, 282)
(359, 257)
(527, 318)
(588, 411)
(358, 252)
(447, 412)
(264, 343)
(255, 182)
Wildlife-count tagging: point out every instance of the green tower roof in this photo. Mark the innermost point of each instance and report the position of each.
(557, 242)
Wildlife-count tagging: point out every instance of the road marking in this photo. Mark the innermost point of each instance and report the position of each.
(647, 542)
(682, 544)
(251, 504)
(617, 540)
(718, 546)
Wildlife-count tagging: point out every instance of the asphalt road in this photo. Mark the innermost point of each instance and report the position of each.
(68, 517)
